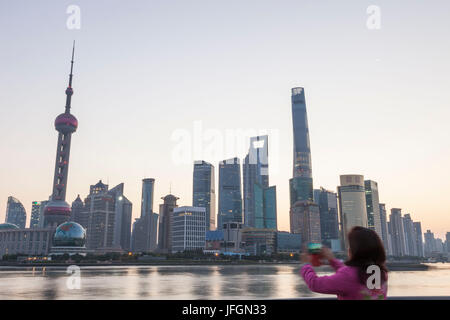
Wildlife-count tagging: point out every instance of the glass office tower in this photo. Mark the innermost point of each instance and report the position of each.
(204, 195)
(230, 198)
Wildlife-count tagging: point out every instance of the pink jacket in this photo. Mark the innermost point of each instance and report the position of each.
(344, 283)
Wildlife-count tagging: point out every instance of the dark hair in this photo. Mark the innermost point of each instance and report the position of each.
(366, 249)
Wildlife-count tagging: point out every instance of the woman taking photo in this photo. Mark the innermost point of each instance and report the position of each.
(350, 280)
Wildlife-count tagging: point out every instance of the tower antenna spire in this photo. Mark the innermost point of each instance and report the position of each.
(71, 65)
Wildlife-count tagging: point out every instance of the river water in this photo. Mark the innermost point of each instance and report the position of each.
(194, 282)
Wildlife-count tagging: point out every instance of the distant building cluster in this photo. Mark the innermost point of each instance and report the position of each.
(246, 213)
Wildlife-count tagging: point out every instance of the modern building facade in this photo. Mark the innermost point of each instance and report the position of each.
(204, 194)
(35, 214)
(109, 225)
(384, 228)
(397, 233)
(15, 213)
(255, 172)
(352, 204)
(230, 196)
(305, 220)
(328, 212)
(79, 213)
(289, 242)
(259, 241)
(301, 184)
(165, 223)
(145, 229)
(419, 239)
(36, 241)
(188, 229)
(410, 236)
(265, 207)
(57, 210)
(430, 244)
(373, 206)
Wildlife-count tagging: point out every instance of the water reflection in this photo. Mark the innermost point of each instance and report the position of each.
(193, 282)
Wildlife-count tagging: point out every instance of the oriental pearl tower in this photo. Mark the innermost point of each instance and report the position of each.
(58, 210)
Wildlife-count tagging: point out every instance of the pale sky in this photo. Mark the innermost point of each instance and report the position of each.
(145, 71)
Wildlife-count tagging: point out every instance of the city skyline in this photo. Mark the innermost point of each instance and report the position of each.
(335, 148)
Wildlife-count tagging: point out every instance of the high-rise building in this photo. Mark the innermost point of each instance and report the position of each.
(188, 229)
(204, 194)
(41, 213)
(255, 172)
(419, 239)
(447, 241)
(352, 204)
(373, 206)
(148, 190)
(430, 243)
(304, 213)
(265, 208)
(384, 228)
(305, 220)
(145, 229)
(397, 233)
(230, 197)
(301, 185)
(15, 213)
(165, 223)
(410, 236)
(35, 213)
(109, 211)
(328, 212)
(79, 213)
(57, 210)
(122, 218)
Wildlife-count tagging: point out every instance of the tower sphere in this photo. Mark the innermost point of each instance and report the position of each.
(69, 234)
(66, 123)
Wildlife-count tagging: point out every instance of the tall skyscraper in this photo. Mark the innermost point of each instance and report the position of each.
(430, 243)
(35, 213)
(265, 208)
(15, 213)
(397, 233)
(165, 223)
(419, 238)
(373, 206)
(230, 197)
(301, 185)
(410, 236)
(255, 172)
(304, 213)
(188, 229)
(145, 229)
(352, 203)
(204, 194)
(384, 228)
(79, 213)
(57, 210)
(148, 189)
(109, 225)
(447, 241)
(122, 218)
(328, 212)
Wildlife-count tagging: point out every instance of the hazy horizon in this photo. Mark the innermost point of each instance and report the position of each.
(377, 100)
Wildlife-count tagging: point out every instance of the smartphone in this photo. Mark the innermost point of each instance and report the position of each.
(314, 248)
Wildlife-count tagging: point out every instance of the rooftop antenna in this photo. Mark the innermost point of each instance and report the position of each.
(71, 65)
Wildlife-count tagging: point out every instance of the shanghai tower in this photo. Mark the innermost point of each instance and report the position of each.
(304, 213)
(301, 185)
(58, 210)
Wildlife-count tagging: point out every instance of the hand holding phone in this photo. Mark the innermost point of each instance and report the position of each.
(315, 249)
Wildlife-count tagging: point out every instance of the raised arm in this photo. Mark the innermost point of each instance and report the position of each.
(334, 284)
